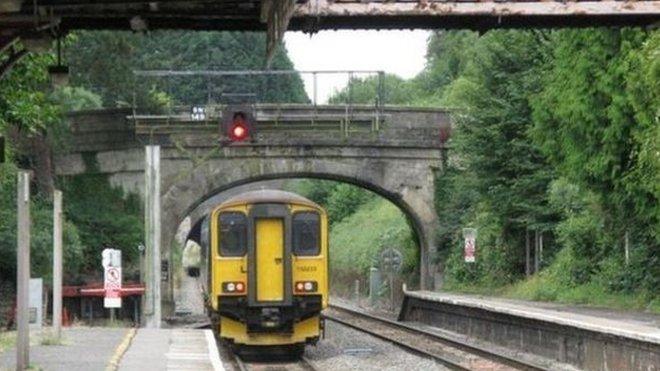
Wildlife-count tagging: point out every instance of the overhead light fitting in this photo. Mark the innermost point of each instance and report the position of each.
(59, 73)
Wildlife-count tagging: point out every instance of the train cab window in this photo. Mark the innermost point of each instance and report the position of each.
(233, 234)
(306, 234)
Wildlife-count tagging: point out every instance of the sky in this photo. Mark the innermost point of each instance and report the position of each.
(398, 52)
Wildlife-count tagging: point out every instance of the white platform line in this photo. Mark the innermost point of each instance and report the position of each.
(214, 355)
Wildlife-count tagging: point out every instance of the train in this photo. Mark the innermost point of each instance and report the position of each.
(267, 271)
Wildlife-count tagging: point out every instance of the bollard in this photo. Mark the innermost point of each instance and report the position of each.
(357, 291)
(374, 285)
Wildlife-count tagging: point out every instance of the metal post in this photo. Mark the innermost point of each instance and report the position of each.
(536, 251)
(357, 290)
(152, 230)
(392, 291)
(315, 82)
(57, 264)
(23, 272)
(374, 285)
(626, 246)
(540, 249)
(528, 265)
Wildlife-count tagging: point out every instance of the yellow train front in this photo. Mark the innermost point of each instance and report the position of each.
(268, 264)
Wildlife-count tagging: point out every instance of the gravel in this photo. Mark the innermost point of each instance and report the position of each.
(346, 349)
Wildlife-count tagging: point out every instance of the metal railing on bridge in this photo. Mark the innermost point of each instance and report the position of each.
(171, 101)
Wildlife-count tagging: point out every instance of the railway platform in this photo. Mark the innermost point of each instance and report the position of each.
(171, 349)
(587, 338)
(126, 349)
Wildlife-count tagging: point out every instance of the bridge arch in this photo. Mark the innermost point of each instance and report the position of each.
(407, 184)
(198, 208)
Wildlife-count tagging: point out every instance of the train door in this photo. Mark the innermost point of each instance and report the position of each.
(269, 246)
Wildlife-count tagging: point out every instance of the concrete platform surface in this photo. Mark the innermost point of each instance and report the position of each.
(633, 325)
(83, 348)
(172, 349)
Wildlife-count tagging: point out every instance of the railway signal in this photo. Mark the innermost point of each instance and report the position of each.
(238, 124)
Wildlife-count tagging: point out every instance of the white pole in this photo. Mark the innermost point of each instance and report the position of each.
(57, 264)
(23, 272)
(152, 200)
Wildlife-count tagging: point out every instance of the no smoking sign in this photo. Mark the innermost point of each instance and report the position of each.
(112, 278)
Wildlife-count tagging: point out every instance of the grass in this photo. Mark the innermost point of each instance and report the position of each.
(48, 338)
(543, 288)
(540, 288)
(356, 241)
(7, 340)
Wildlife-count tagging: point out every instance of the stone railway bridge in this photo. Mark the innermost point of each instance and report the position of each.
(392, 151)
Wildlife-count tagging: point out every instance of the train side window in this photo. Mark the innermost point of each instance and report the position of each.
(306, 234)
(233, 234)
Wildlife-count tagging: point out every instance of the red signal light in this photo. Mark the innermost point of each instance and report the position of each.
(238, 130)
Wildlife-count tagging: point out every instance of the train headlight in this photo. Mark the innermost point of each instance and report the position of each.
(233, 287)
(306, 286)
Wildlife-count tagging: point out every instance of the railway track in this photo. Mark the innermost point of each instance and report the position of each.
(449, 352)
(302, 364)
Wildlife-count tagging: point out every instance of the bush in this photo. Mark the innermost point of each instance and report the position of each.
(495, 256)
(106, 218)
(344, 200)
(356, 241)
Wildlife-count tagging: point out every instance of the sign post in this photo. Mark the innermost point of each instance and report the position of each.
(390, 262)
(470, 236)
(111, 260)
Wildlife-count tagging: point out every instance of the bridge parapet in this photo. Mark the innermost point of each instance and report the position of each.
(277, 125)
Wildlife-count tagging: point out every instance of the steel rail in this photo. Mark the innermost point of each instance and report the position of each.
(463, 346)
(444, 360)
(303, 363)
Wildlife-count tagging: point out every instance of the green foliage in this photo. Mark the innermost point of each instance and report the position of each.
(498, 181)
(24, 102)
(41, 233)
(391, 89)
(106, 218)
(112, 76)
(344, 200)
(71, 99)
(557, 131)
(357, 240)
(339, 199)
(315, 189)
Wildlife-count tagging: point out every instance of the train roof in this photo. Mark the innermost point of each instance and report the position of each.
(269, 196)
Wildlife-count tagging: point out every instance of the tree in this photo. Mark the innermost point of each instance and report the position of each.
(113, 79)
(390, 89)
